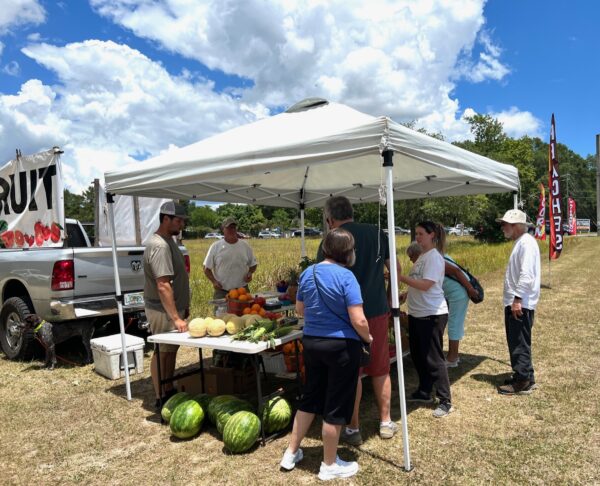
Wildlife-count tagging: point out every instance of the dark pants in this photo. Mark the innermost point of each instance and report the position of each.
(518, 337)
(425, 336)
(331, 378)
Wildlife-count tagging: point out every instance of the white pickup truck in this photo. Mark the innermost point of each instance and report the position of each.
(75, 282)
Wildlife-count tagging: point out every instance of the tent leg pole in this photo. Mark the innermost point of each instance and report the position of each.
(388, 165)
(119, 296)
(302, 240)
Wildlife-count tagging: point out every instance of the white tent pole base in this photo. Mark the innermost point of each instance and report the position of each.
(119, 296)
(388, 165)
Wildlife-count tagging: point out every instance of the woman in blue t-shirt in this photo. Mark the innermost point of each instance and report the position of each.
(329, 298)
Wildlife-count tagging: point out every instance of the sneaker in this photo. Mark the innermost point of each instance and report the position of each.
(523, 387)
(289, 460)
(388, 430)
(452, 364)
(419, 397)
(351, 438)
(338, 470)
(443, 410)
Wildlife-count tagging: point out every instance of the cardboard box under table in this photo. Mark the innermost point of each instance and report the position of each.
(223, 343)
(108, 357)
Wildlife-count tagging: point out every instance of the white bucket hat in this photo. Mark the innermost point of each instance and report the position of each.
(514, 216)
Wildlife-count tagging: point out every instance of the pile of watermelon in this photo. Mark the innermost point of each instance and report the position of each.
(233, 417)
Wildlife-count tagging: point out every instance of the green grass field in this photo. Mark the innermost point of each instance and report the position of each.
(72, 426)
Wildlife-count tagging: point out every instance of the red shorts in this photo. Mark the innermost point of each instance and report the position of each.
(380, 347)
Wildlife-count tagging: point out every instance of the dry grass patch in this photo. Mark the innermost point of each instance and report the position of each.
(72, 426)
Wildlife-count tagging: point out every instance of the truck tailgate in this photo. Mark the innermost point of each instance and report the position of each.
(94, 270)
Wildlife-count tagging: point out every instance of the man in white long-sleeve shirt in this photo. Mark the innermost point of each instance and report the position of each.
(521, 295)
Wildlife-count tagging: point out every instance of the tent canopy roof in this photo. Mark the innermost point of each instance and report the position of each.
(308, 154)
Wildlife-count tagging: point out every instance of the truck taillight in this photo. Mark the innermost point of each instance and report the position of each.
(188, 266)
(63, 275)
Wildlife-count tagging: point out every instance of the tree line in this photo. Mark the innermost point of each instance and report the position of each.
(528, 154)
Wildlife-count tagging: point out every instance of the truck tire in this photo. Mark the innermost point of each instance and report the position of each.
(16, 343)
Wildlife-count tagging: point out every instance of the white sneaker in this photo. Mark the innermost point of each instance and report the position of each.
(338, 470)
(289, 460)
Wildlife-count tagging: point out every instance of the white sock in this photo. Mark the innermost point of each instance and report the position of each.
(389, 422)
(351, 431)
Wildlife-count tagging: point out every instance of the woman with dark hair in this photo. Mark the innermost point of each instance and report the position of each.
(427, 319)
(329, 298)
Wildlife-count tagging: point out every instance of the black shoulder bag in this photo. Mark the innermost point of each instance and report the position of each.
(472, 280)
(365, 355)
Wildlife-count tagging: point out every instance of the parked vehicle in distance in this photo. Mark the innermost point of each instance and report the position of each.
(307, 232)
(242, 236)
(399, 230)
(459, 230)
(214, 236)
(265, 234)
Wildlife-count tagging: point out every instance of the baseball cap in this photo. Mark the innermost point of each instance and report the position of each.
(171, 209)
(514, 216)
(228, 222)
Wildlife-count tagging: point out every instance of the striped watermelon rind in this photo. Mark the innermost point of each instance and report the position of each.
(241, 431)
(186, 420)
(228, 410)
(216, 404)
(171, 404)
(276, 415)
(204, 400)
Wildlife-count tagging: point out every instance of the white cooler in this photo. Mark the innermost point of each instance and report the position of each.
(108, 360)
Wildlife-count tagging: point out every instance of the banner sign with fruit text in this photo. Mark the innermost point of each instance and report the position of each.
(572, 216)
(554, 208)
(540, 222)
(32, 201)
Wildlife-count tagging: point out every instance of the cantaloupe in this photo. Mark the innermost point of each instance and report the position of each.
(216, 327)
(234, 325)
(197, 327)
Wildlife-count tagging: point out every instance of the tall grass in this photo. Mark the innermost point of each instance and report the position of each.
(275, 257)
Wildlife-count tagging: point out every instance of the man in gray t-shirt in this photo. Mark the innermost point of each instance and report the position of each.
(166, 289)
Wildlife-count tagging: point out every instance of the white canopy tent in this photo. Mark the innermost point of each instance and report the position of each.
(309, 153)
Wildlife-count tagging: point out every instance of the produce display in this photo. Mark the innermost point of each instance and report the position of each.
(228, 410)
(186, 419)
(217, 404)
(241, 431)
(204, 400)
(171, 405)
(276, 415)
(233, 417)
(263, 330)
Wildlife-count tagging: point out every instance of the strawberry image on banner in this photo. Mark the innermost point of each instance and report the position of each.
(31, 201)
(572, 216)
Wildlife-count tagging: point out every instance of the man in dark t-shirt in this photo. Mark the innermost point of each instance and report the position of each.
(372, 254)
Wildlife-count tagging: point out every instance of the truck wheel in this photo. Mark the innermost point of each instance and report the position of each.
(16, 343)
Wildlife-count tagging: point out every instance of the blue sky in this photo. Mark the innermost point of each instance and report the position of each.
(114, 81)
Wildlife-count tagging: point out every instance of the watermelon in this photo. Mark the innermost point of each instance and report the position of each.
(216, 404)
(204, 400)
(276, 415)
(171, 405)
(241, 431)
(187, 419)
(228, 410)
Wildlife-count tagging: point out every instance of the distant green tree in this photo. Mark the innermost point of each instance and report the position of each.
(250, 218)
(204, 217)
(280, 218)
(80, 206)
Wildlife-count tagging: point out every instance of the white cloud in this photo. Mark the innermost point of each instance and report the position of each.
(396, 57)
(517, 123)
(489, 65)
(1, 48)
(113, 105)
(12, 68)
(19, 12)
